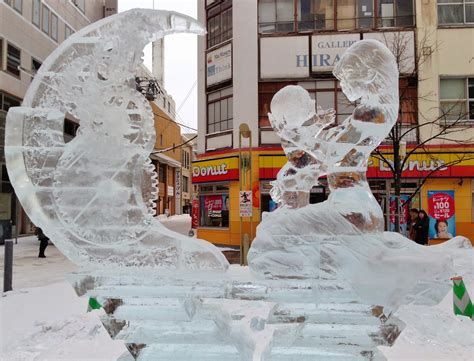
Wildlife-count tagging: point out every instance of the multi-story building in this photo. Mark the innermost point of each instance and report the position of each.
(29, 32)
(255, 48)
(187, 153)
(167, 152)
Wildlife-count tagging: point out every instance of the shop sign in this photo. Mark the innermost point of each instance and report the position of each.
(219, 65)
(290, 52)
(170, 192)
(422, 165)
(245, 203)
(195, 214)
(178, 183)
(327, 50)
(404, 213)
(442, 214)
(215, 170)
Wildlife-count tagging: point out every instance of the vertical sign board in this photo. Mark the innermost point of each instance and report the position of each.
(219, 65)
(442, 214)
(195, 214)
(404, 214)
(177, 189)
(245, 203)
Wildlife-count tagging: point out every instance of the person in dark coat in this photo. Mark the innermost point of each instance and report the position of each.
(421, 228)
(412, 222)
(43, 241)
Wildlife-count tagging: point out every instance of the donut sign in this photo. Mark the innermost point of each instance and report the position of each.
(441, 211)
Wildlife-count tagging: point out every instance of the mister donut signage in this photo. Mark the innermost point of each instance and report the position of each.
(215, 170)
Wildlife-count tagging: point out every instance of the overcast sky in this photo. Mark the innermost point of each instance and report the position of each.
(180, 57)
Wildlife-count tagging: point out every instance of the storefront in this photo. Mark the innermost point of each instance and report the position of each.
(218, 187)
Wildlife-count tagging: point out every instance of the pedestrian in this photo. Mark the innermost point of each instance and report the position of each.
(422, 227)
(43, 241)
(412, 222)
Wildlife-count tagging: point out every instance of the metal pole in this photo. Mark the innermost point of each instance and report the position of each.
(8, 266)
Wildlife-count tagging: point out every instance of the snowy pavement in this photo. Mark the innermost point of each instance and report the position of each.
(43, 319)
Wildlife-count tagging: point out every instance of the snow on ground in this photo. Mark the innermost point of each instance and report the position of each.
(43, 319)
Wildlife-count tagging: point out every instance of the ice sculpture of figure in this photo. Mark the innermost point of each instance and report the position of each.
(292, 122)
(344, 236)
(95, 196)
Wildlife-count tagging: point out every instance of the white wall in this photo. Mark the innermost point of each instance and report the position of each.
(245, 67)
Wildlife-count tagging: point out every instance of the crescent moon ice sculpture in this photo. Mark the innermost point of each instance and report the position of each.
(95, 196)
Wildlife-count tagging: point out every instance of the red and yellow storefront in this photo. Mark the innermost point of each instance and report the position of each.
(216, 176)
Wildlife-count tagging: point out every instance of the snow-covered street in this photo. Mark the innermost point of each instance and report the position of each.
(43, 319)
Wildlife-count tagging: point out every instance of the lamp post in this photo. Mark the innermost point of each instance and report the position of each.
(245, 184)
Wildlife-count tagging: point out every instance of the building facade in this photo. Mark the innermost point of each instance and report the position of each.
(29, 31)
(255, 48)
(187, 153)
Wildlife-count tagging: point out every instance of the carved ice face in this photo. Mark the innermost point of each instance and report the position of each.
(354, 76)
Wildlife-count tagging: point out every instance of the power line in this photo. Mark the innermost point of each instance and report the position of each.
(174, 147)
(187, 96)
(174, 121)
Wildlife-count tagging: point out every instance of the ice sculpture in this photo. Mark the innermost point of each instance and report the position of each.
(342, 236)
(326, 267)
(95, 196)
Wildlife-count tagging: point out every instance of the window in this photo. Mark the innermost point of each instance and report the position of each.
(13, 59)
(67, 32)
(81, 5)
(457, 99)
(1, 54)
(17, 5)
(214, 205)
(393, 13)
(162, 173)
(36, 18)
(8, 101)
(219, 23)
(185, 184)
(220, 111)
(54, 26)
(312, 15)
(455, 12)
(45, 22)
(35, 65)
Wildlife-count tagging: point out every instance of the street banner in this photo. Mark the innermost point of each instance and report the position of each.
(195, 214)
(441, 211)
(245, 203)
(404, 214)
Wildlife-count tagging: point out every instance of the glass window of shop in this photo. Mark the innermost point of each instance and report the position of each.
(284, 16)
(214, 205)
(219, 22)
(220, 110)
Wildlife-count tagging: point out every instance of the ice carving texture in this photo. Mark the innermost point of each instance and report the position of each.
(343, 237)
(95, 196)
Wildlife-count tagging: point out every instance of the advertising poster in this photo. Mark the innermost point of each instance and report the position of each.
(441, 212)
(213, 205)
(404, 214)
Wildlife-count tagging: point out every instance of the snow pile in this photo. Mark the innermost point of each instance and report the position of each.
(51, 323)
